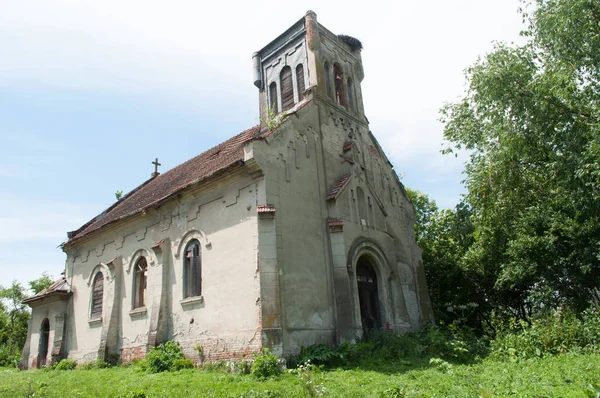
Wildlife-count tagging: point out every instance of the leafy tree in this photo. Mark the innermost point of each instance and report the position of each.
(41, 283)
(531, 121)
(445, 236)
(13, 322)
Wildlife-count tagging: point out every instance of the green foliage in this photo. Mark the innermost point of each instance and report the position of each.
(217, 366)
(242, 367)
(387, 346)
(41, 283)
(272, 119)
(445, 237)
(162, 358)
(319, 354)
(552, 333)
(530, 119)
(265, 365)
(66, 364)
(305, 372)
(97, 364)
(180, 364)
(567, 375)
(9, 355)
(13, 323)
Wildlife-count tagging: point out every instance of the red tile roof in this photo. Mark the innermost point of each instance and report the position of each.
(161, 187)
(59, 287)
(334, 222)
(337, 186)
(266, 209)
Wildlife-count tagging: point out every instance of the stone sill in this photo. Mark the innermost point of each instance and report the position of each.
(138, 311)
(95, 321)
(191, 301)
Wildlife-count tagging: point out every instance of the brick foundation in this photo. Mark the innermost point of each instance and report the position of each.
(132, 353)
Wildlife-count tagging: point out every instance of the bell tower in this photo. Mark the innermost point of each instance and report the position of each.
(308, 61)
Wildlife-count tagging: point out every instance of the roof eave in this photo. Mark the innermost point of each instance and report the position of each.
(158, 202)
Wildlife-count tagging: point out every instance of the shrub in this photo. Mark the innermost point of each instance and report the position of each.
(66, 364)
(97, 364)
(9, 355)
(552, 333)
(319, 354)
(180, 364)
(242, 366)
(590, 332)
(265, 365)
(392, 347)
(161, 358)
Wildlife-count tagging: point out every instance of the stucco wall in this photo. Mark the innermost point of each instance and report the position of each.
(224, 320)
(54, 310)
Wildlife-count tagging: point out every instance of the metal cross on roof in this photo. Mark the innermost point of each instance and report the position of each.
(156, 164)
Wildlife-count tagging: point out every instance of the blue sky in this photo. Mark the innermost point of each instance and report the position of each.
(92, 92)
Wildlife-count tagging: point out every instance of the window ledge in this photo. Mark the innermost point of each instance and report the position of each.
(138, 311)
(95, 321)
(192, 300)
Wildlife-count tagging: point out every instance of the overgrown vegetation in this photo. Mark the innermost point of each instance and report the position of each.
(525, 239)
(570, 374)
(265, 365)
(66, 364)
(272, 119)
(166, 357)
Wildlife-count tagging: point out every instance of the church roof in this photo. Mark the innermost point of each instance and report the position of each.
(161, 187)
(60, 287)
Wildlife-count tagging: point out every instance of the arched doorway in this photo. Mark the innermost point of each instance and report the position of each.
(368, 294)
(44, 339)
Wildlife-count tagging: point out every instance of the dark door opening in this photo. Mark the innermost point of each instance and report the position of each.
(368, 295)
(44, 338)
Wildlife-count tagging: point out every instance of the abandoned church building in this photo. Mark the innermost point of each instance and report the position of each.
(291, 233)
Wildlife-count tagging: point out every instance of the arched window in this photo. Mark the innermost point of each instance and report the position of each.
(287, 89)
(140, 283)
(273, 97)
(340, 93)
(351, 95)
(97, 295)
(192, 270)
(300, 80)
(328, 80)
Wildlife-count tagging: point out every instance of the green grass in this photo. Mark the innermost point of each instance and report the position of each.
(568, 375)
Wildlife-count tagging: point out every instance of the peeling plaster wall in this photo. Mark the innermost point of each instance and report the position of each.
(292, 162)
(224, 320)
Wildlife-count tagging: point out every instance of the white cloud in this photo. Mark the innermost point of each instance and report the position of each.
(414, 53)
(7, 171)
(26, 220)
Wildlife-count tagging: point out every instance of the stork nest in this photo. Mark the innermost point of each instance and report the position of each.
(352, 42)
